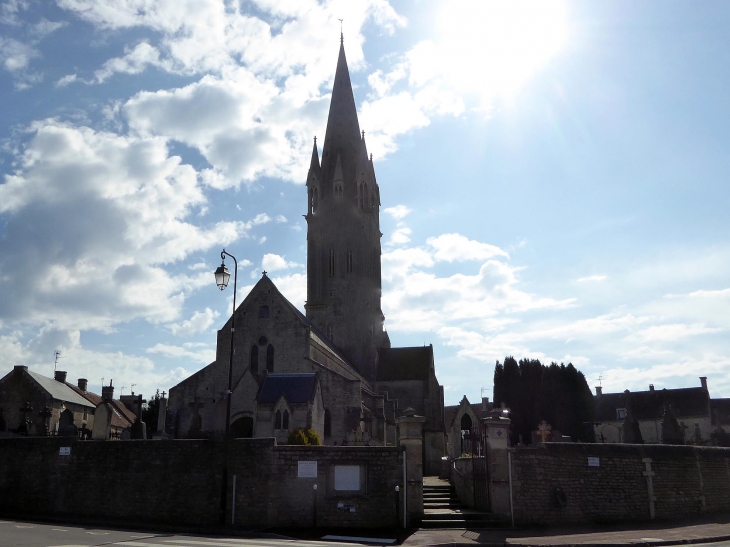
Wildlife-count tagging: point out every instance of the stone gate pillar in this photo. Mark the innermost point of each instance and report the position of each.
(410, 434)
(497, 461)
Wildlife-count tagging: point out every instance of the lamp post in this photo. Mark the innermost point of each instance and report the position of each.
(222, 276)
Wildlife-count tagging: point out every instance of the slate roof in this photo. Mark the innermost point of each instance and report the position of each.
(649, 405)
(60, 390)
(411, 363)
(296, 388)
(122, 417)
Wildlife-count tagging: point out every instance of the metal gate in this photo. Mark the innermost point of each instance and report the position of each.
(480, 469)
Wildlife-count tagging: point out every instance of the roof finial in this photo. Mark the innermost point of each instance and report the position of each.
(315, 139)
(363, 134)
(371, 156)
(342, 37)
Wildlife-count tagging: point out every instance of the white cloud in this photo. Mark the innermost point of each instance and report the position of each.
(281, 219)
(675, 331)
(115, 212)
(456, 247)
(274, 262)
(204, 356)
(134, 61)
(591, 278)
(66, 80)
(199, 322)
(15, 55)
(399, 212)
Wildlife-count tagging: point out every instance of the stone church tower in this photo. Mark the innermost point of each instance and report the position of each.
(343, 235)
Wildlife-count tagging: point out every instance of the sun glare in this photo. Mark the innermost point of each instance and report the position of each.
(493, 47)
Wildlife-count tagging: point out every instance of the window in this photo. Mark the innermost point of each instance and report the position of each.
(86, 413)
(332, 263)
(264, 312)
(277, 420)
(270, 358)
(254, 359)
(315, 199)
(348, 261)
(620, 413)
(285, 420)
(327, 423)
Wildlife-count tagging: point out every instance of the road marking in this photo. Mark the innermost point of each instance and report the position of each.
(59, 530)
(23, 526)
(230, 542)
(98, 533)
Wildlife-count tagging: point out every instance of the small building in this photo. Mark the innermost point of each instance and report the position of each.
(25, 394)
(24, 389)
(691, 407)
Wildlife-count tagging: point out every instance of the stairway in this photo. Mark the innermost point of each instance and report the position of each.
(442, 508)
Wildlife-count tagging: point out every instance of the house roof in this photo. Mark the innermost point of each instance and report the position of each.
(122, 417)
(296, 388)
(60, 390)
(410, 363)
(649, 405)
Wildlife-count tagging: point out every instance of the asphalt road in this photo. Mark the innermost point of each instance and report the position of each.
(28, 534)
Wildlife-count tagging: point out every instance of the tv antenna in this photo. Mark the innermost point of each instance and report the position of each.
(600, 377)
(133, 388)
(57, 355)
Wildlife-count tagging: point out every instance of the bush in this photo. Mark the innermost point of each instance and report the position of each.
(306, 437)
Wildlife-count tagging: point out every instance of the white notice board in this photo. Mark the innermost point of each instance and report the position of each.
(307, 470)
(347, 477)
(64, 451)
(594, 462)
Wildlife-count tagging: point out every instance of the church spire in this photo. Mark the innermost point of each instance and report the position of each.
(343, 129)
(314, 167)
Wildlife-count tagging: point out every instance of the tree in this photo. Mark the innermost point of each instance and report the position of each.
(534, 392)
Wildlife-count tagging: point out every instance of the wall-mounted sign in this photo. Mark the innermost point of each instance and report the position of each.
(414, 432)
(307, 470)
(594, 462)
(64, 451)
(347, 477)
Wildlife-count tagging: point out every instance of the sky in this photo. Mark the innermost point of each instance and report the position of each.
(553, 177)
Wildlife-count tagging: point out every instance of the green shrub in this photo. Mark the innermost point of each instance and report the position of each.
(312, 437)
(297, 437)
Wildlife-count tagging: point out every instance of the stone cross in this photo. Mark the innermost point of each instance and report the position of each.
(544, 430)
(25, 424)
(45, 414)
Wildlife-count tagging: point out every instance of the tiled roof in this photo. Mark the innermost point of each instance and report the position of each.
(649, 405)
(59, 390)
(296, 388)
(413, 363)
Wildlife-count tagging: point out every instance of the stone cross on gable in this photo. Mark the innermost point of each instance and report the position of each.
(544, 430)
(163, 394)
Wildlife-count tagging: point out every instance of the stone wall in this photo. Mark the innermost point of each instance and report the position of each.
(179, 482)
(684, 480)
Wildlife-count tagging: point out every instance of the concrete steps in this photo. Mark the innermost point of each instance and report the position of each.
(442, 509)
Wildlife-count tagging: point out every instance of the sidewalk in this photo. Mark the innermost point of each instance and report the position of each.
(698, 530)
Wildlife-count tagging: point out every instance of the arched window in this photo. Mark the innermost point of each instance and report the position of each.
(270, 358)
(349, 261)
(254, 361)
(359, 195)
(327, 423)
(264, 312)
(285, 421)
(311, 197)
(277, 420)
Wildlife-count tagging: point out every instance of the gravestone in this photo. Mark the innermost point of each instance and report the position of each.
(671, 432)
(66, 427)
(161, 418)
(102, 421)
(632, 432)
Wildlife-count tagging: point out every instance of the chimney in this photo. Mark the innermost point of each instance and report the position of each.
(60, 376)
(485, 404)
(703, 381)
(107, 392)
(651, 387)
(83, 382)
(20, 368)
(599, 391)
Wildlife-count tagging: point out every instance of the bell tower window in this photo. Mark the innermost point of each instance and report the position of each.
(348, 261)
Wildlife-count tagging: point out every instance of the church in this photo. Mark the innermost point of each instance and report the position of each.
(333, 369)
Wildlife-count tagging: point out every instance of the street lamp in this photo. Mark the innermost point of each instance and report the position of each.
(222, 276)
